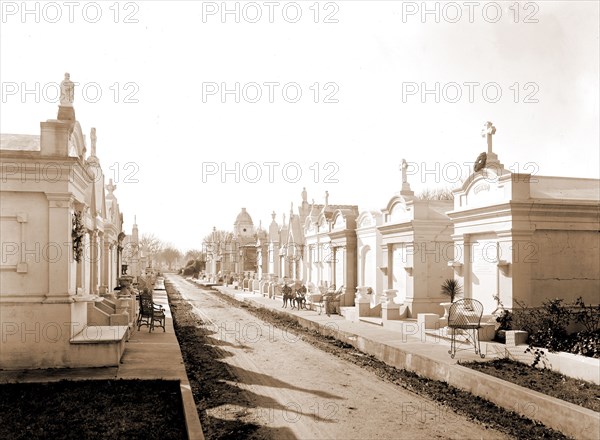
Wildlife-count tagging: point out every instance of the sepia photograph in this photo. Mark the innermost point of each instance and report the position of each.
(310, 219)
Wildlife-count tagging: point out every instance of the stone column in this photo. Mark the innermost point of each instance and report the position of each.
(60, 225)
(94, 257)
(105, 266)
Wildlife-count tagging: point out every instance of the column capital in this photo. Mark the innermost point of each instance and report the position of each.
(60, 200)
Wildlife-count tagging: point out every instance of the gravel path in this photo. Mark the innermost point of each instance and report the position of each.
(289, 389)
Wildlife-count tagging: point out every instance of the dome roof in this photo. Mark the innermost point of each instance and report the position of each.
(243, 218)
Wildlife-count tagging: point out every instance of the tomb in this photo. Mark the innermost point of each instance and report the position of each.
(523, 237)
(61, 237)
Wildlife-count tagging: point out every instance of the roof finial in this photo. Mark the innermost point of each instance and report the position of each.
(488, 131)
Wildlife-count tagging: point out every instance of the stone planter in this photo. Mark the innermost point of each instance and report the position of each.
(446, 306)
(501, 335)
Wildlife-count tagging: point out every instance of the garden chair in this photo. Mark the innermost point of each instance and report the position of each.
(332, 300)
(465, 314)
(150, 313)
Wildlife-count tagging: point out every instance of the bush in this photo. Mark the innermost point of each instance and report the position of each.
(547, 326)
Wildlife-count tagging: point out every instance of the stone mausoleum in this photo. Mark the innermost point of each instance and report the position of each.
(525, 237)
(61, 237)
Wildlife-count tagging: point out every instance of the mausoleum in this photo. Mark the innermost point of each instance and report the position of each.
(61, 236)
(524, 237)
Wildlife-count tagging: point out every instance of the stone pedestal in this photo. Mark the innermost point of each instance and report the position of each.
(428, 321)
(362, 302)
(516, 337)
(389, 309)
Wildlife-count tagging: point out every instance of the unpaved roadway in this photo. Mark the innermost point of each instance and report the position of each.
(301, 392)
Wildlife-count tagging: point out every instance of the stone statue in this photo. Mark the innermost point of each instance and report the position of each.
(403, 168)
(304, 194)
(67, 91)
(326, 198)
(111, 187)
(93, 139)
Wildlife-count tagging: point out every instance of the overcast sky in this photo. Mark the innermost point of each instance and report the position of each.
(151, 76)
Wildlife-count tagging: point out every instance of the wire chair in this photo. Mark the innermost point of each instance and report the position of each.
(465, 314)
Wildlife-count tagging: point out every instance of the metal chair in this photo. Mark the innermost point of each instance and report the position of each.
(150, 313)
(465, 314)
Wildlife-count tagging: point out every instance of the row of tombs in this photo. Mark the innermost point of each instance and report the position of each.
(507, 238)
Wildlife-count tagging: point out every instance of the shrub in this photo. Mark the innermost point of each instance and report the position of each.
(505, 320)
(547, 326)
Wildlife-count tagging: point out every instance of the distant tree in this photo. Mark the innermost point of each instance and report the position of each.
(194, 254)
(169, 255)
(436, 194)
(217, 238)
(150, 245)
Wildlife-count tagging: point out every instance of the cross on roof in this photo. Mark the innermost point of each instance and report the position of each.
(488, 131)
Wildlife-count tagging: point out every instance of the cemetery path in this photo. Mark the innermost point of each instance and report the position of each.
(294, 390)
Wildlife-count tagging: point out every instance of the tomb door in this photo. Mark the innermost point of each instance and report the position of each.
(368, 269)
(483, 271)
(398, 272)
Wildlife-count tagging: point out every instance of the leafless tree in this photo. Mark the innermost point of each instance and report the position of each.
(436, 194)
(150, 245)
(169, 255)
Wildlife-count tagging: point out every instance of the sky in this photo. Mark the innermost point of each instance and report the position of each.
(202, 108)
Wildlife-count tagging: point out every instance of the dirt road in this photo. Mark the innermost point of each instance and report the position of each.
(297, 391)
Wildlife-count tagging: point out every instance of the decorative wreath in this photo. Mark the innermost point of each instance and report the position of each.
(77, 234)
(480, 162)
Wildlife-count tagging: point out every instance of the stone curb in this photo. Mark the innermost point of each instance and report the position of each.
(570, 419)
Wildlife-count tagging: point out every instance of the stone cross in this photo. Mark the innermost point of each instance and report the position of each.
(488, 131)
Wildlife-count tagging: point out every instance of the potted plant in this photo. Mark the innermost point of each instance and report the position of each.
(451, 288)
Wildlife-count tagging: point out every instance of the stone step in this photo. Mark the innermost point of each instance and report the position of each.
(99, 345)
(99, 334)
(370, 320)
